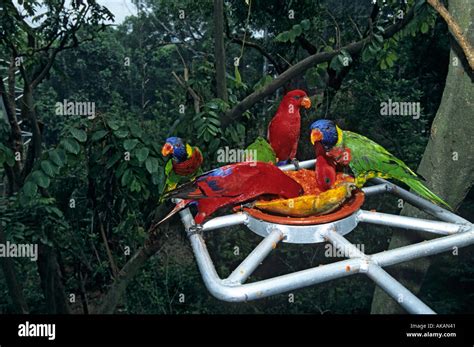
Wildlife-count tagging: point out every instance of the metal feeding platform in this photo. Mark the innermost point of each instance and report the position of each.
(454, 230)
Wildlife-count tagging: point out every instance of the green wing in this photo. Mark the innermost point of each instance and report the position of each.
(173, 180)
(370, 160)
(262, 150)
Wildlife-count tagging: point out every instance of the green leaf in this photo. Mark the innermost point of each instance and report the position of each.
(389, 61)
(79, 134)
(48, 168)
(40, 179)
(379, 38)
(71, 145)
(127, 177)
(107, 148)
(305, 24)
(9, 158)
(336, 63)
(373, 49)
(135, 130)
(238, 78)
(297, 30)
(142, 154)
(212, 105)
(135, 186)
(366, 55)
(30, 188)
(121, 133)
(283, 37)
(112, 160)
(99, 135)
(121, 169)
(157, 178)
(130, 144)
(56, 158)
(152, 164)
(114, 125)
(392, 56)
(292, 35)
(424, 28)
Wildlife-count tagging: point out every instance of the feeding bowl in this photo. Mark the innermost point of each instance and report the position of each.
(309, 229)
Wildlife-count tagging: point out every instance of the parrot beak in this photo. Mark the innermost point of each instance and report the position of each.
(306, 102)
(167, 150)
(316, 135)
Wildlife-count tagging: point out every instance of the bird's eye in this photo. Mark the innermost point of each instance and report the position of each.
(296, 97)
(178, 145)
(327, 180)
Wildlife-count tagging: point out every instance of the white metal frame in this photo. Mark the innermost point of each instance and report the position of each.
(455, 231)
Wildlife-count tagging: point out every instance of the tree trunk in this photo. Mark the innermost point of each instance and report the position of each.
(219, 50)
(14, 288)
(51, 281)
(448, 161)
(131, 269)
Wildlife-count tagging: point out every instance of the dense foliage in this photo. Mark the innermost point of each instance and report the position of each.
(93, 192)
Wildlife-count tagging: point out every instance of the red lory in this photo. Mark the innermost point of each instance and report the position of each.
(284, 129)
(233, 184)
(325, 168)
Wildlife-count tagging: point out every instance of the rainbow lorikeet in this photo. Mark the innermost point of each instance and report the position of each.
(233, 184)
(284, 129)
(184, 164)
(366, 158)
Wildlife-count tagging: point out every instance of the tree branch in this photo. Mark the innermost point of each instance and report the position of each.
(191, 91)
(219, 51)
(455, 30)
(131, 268)
(253, 45)
(258, 48)
(302, 66)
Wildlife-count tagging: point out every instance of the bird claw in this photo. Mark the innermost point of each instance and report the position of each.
(296, 163)
(195, 229)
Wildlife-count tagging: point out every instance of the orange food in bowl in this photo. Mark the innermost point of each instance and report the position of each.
(307, 179)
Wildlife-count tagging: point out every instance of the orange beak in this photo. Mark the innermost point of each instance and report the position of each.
(316, 135)
(167, 149)
(306, 102)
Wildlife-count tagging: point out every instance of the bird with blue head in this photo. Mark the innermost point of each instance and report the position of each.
(184, 164)
(366, 158)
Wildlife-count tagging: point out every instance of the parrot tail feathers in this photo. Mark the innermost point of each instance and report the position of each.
(424, 192)
(179, 206)
(184, 191)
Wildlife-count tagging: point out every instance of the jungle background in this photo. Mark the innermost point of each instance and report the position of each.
(212, 72)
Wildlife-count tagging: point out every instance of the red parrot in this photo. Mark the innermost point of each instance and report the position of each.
(284, 129)
(325, 168)
(233, 184)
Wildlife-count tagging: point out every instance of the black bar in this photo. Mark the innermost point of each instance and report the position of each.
(294, 329)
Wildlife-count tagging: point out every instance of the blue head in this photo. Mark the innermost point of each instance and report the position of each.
(324, 131)
(176, 147)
